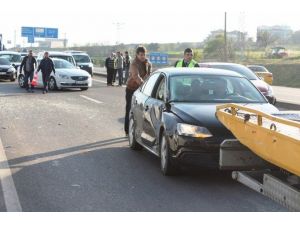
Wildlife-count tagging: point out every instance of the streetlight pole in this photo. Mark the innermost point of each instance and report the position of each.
(225, 39)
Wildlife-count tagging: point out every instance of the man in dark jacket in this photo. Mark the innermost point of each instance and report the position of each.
(29, 64)
(46, 66)
(127, 61)
(110, 68)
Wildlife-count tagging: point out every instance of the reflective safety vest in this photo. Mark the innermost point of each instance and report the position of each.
(191, 64)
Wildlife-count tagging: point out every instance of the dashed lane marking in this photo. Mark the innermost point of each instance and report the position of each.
(91, 99)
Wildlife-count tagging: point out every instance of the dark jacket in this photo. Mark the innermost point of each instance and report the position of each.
(46, 66)
(138, 73)
(32, 64)
(110, 63)
(127, 60)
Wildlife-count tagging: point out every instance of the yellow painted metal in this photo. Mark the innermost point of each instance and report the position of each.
(274, 139)
(267, 76)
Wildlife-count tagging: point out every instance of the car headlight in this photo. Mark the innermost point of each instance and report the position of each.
(193, 131)
(11, 70)
(62, 76)
(91, 65)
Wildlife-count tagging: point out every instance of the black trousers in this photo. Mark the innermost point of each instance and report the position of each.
(129, 94)
(28, 76)
(45, 81)
(110, 75)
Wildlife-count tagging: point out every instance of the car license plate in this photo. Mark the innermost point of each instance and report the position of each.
(80, 82)
(2, 73)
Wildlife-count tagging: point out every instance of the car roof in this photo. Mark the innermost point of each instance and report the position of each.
(56, 53)
(10, 52)
(198, 71)
(220, 63)
(255, 66)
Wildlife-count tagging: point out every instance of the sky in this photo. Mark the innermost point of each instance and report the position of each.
(163, 21)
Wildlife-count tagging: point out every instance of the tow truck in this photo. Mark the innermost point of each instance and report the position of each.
(266, 154)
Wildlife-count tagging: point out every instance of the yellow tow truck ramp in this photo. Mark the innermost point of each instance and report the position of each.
(275, 139)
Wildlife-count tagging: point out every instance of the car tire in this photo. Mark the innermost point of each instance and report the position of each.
(84, 89)
(167, 164)
(21, 81)
(52, 84)
(133, 144)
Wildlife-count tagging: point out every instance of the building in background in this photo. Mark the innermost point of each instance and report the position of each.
(280, 34)
(52, 43)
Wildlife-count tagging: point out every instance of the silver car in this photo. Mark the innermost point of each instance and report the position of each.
(66, 76)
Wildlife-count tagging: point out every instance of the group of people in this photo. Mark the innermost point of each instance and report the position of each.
(116, 64)
(140, 69)
(29, 64)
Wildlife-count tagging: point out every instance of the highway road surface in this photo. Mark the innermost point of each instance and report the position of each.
(66, 151)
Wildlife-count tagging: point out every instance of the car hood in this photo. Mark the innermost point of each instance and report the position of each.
(6, 67)
(204, 114)
(72, 72)
(261, 85)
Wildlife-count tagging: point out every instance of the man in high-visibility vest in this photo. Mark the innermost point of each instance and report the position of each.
(188, 60)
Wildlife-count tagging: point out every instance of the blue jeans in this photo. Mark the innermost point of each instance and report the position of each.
(120, 75)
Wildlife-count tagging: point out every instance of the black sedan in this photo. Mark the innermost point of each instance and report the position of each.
(173, 114)
(7, 71)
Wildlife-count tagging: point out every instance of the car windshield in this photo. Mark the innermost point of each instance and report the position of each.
(63, 64)
(82, 58)
(258, 69)
(213, 89)
(4, 62)
(64, 57)
(11, 57)
(243, 70)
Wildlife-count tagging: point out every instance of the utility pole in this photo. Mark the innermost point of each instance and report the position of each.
(118, 31)
(225, 39)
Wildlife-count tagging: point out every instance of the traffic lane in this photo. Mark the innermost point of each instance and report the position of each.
(62, 163)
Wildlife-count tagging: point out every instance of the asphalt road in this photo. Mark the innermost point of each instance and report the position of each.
(67, 152)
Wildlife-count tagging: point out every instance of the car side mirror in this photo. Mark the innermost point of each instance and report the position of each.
(168, 106)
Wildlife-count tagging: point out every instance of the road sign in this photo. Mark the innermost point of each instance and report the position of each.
(51, 32)
(39, 32)
(27, 31)
(159, 58)
(30, 39)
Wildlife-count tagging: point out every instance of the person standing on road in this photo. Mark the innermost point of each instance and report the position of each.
(29, 64)
(188, 60)
(115, 69)
(140, 69)
(46, 66)
(127, 60)
(119, 64)
(110, 68)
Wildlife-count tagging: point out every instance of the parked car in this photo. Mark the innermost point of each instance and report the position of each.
(59, 55)
(262, 72)
(14, 58)
(265, 88)
(66, 76)
(83, 61)
(173, 114)
(7, 71)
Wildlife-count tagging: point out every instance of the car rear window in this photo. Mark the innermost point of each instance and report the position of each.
(243, 70)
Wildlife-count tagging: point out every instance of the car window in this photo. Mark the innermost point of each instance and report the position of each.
(63, 64)
(4, 61)
(160, 92)
(258, 69)
(148, 88)
(65, 57)
(82, 58)
(11, 57)
(213, 89)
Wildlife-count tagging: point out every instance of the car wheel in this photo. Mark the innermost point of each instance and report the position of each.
(168, 166)
(84, 89)
(21, 81)
(133, 144)
(52, 84)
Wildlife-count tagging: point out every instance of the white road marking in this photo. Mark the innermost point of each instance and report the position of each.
(100, 81)
(10, 195)
(91, 99)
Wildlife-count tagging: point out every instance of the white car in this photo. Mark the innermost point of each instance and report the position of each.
(66, 76)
